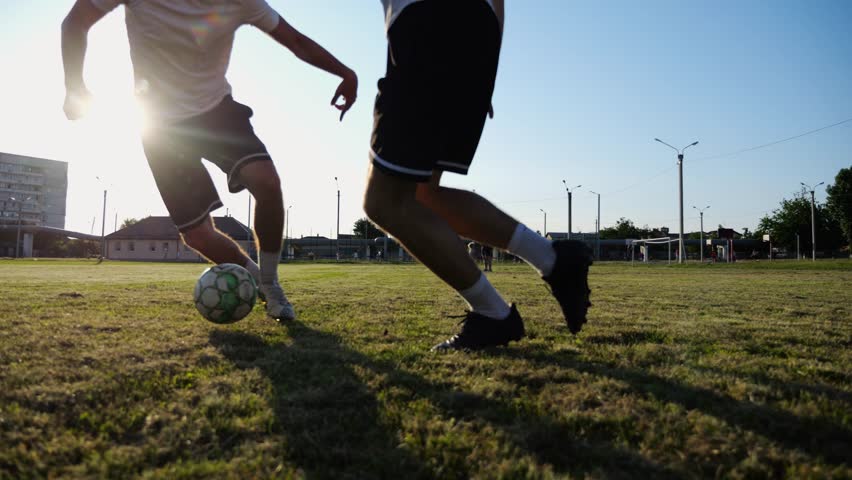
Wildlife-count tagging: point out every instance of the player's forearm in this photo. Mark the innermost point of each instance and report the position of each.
(74, 42)
(312, 53)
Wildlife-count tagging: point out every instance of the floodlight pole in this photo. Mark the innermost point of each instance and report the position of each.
(569, 191)
(680, 192)
(20, 211)
(798, 251)
(544, 233)
(813, 220)
(701, 214)
(103, 228)
(598, 228)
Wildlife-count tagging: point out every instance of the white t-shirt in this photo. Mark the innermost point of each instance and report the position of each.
(181, 49)
(394, 7)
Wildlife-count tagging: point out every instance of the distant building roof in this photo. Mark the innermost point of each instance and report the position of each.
(162, 228)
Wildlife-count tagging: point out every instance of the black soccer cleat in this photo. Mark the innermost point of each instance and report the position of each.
(569, 281)
(479, 331)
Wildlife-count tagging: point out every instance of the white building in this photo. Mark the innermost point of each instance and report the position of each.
(34, 188)
(157, 239)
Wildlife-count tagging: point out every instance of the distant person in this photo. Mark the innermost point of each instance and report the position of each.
(487, 258)
(429, 116)
(180, 52)
(475, 251)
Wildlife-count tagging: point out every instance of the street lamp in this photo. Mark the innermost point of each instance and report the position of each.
(813, 220)
(701, 213)
(338, 218)
(544, 232)
(103, 222)
(20, 209)
(569, 191)
(598, 227)
(680, 184)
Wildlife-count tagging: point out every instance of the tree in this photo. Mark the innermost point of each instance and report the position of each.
(794, 217)
(624, 228)
(364, 228)
(839, 203)
(128, 222)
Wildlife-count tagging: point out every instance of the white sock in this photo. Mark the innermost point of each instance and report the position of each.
(254, 270)
(269, 267)
(483, 299)
(534, 249)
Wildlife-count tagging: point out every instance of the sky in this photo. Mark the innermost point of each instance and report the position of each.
(583, 89)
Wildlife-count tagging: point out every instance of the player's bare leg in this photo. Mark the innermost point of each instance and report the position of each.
(263, 183)
(214, 245)
(392, 203)
(467, 213)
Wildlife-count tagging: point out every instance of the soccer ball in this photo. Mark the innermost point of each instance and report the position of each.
(225, 293)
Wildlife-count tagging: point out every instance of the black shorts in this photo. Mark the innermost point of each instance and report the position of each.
(223, 136)
(432, 103)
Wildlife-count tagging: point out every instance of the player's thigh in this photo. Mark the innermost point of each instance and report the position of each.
(229, 141)
(184, 184)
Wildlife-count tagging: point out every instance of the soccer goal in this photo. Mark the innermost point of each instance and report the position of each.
(645, 249)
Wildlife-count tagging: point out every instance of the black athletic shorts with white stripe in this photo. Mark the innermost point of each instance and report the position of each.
(433, 101)
(223, 136)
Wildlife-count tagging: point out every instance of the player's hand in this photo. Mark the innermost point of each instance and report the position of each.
(77, 102)
(348, 89)
(491, 111)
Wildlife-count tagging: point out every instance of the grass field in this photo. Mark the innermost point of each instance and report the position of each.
(702, 371)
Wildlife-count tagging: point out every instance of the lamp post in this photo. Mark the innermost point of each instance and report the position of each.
(813, 219)
(680, 190)
(337, 244)
(544, 232)
(569, 191)
(598, 228)
(701, 214)
(103, 222)
(18, 236)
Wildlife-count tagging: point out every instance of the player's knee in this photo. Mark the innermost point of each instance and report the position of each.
(198, 237)
(262, 180)
(374, 205)
(426, 192)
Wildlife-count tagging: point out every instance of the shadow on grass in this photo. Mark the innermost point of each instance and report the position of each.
(818, 436)
(338, 427)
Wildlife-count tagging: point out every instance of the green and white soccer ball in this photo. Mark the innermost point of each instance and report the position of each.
(225, 293)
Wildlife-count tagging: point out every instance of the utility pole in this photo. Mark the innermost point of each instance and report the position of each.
(569, 192)
(103, 228)
(20, 210)
(598, 229)
(813, 220)
(798, 251)
(701, 213)
(544, 232)
(680, 192)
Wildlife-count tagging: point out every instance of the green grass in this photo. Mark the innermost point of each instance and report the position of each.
(716, 371)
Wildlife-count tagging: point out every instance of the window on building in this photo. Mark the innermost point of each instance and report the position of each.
(165, 246)
(132, 246)
(117, 246)
(153, 247)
